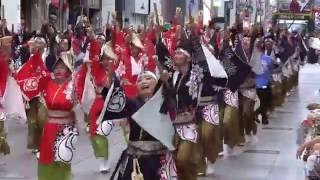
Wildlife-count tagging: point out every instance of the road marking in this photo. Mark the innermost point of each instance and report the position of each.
(278, 128)
(254, 151)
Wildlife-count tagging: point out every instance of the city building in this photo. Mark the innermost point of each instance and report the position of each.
(60, 12)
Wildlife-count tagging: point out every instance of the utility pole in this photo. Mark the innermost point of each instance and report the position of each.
(260, 13)
(211, 10)
(46, 11)
(2, 12)
(237, 4)
(61, 2)
(87, 8)
(256, 12)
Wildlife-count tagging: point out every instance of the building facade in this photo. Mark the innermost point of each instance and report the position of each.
(10, 10)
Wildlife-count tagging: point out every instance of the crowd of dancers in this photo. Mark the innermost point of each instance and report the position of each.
(183, 94)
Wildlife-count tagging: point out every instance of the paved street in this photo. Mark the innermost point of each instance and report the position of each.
(273, 158)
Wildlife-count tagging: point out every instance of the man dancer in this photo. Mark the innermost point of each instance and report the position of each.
(182, 110)
(247, 95)
(36, 112)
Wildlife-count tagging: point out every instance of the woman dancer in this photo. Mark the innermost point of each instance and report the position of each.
(147, 154)
(9, 92)
(99, 133)
(59, 132)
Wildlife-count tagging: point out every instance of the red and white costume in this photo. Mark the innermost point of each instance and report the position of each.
(58, 131)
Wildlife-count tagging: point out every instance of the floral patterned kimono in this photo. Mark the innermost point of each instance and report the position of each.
(59, 134)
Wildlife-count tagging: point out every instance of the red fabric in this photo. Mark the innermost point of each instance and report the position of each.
(307, 123)
(55, 98)
(200, 26)
(4, 73)
(122, 49)
(80, 78)
(170, 39)
(218, 40)
(47, 140)
(94, 50)
(294, 6)
(175, 20)
(95, 111)
(100, 76)
(150, 36)
(33, 76)
(76, 44)
(55, 3)
(130, 90)
(150, 50)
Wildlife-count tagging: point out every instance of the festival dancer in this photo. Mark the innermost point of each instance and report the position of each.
(212, 79)
(136, 63)
(276, 81)
(286, 50)
(147, 155)
(4, 146)
(99, 132)
(180, 104)
(248, 94)
(237, 71)
(35, 109)
(295, 61)
(59, 132)
(9, 92)
(106, 115)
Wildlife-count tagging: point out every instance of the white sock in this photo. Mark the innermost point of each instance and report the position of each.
(103, 164)
(248, 138)
(38, 154)
(255, 139)
(210, 168)
(3, 160)
(107, 164)
(229, 150)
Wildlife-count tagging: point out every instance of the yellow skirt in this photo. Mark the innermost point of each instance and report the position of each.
(231, 128)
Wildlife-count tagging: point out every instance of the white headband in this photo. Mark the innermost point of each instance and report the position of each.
(148, 73)
(101, 37)
(40, 39)
(183, 51)
(64, 40)
(268, 39)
